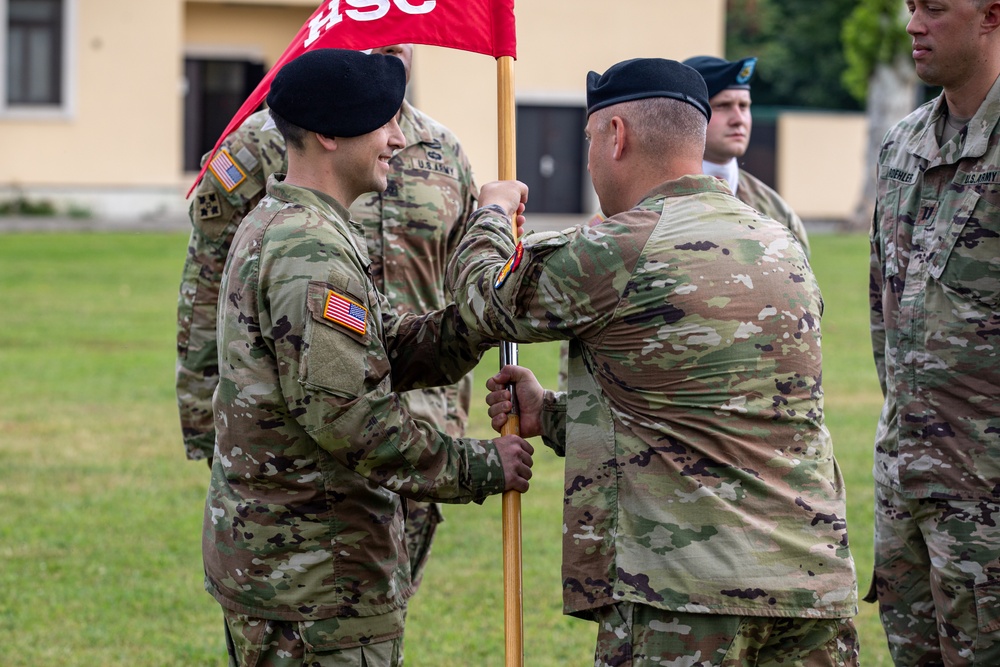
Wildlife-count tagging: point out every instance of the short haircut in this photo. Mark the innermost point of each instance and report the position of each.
(662, 125)
(294, 135)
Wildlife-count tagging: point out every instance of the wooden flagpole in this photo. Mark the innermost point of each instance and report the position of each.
(512, 582)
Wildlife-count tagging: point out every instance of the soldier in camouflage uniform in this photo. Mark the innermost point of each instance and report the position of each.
(704, 512)
(729, 136)
(935, 307)
(302, 542)
(411, 229)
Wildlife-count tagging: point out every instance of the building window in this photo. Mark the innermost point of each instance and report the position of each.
(216, 89)
(35, 53)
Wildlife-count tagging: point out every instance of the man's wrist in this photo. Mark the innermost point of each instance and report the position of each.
(495, 208)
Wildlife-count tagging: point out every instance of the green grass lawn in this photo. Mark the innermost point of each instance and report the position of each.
(100, 557)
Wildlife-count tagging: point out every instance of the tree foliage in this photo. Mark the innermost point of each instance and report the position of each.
(799, 50)
(874, 33)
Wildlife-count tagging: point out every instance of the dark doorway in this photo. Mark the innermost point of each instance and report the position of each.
(215, 91)
(551, 156)
(761, 158)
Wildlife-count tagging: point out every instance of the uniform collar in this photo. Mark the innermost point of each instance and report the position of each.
(688, 185)
(729, 172)
(924, 142)
(328, 207)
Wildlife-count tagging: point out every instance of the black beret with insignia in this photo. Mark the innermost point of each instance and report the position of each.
(338, 92)
(642, 78)
(721, 74)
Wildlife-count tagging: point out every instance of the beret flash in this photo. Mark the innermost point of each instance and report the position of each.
(338, 92)
(721, 74)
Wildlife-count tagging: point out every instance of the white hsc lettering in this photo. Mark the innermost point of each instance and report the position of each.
(362, 10)
(423, 8)
(379, 9)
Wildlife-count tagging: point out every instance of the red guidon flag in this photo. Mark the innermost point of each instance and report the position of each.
(480, 26)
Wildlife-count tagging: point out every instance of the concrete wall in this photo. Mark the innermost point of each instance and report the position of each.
(820, 159)
(124, 111)
(260, 30)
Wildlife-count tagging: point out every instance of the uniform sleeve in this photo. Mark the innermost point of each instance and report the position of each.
(335, 378)
(797, 227)
(214, 220)
(432, 349)
(554, 421)
(875, 291)
(562, 285)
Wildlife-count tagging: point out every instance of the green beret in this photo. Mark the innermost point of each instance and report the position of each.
(338, 92)
(721, 74)
(642, 78)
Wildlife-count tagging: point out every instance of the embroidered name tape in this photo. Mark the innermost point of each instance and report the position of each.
(509, 267)
(227, 171)
(345, 312)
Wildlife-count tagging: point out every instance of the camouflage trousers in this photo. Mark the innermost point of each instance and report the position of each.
(937, 579)
(421, 523)
(637, 635)
(258, 642)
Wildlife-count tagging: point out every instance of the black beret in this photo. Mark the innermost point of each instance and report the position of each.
(641, 78)
(338, 92)
(722, 74)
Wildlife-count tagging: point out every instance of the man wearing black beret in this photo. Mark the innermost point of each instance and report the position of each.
(703, 514)
(303, 538)
(728, 85)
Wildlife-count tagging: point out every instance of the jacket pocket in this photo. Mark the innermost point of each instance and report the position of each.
(337, 336)
(967, 261)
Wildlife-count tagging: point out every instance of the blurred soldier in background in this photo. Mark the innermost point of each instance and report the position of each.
(729, 136)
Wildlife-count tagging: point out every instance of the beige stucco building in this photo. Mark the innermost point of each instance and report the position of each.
(107, 105)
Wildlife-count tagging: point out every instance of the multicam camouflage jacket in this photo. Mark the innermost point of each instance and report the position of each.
(216, 210)
(411, 229)
(935, 305)
(699, 474)
(303, 520)
(758, 195)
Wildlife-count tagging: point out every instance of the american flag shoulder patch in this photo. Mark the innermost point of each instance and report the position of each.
(345, 312)
(226, 170)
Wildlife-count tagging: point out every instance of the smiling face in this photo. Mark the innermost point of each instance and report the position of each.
(729, 128)
(366, 158)
(946, 40)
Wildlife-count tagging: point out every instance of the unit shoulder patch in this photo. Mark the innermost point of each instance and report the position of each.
(509, 267)
(208, 205)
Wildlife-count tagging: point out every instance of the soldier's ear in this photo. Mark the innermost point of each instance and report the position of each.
(990, 17)
(329, 143)
(621, 136)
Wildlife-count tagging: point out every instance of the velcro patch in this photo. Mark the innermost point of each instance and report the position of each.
(226, 170)
(345, 312)
(208, 205)
(508, 268)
